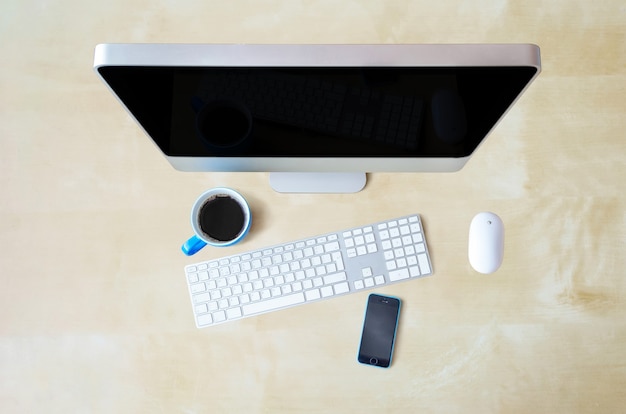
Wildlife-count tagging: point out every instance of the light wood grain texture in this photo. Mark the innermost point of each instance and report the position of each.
(95, 313)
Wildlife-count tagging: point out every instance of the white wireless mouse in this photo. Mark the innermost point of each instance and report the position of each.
(486, 242)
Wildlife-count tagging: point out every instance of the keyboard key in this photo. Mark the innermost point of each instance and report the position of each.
(339, 277)
(341, 288)
(272, 304)
(327, 291)
(400, 274)
(233, 313)
(193, 278)
(203, 308)
(198, 287)
(203, 297)
(219, 316)
(331, 247)
(423, 262)
(205, 319)
(312, 294)
(338, 260)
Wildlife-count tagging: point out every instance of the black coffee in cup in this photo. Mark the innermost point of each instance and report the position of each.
(222, 218)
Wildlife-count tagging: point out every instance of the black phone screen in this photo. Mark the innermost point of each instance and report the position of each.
(379, 330)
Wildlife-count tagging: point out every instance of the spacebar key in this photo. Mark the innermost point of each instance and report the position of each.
(276, 303)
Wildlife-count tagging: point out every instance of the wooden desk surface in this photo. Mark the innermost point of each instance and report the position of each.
(95, 314)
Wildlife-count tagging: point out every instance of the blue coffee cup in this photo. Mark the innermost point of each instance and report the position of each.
(220, 217)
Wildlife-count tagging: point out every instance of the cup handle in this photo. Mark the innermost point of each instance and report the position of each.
(193, 245)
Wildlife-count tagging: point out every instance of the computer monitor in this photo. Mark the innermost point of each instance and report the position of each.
(317, 117)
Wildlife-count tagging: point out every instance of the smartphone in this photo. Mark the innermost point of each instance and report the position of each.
(379, 330)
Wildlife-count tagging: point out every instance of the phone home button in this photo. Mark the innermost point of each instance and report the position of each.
(374, 361)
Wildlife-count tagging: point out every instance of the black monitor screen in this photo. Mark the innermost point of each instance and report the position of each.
(317, 111)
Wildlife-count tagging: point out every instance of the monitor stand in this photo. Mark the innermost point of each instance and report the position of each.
(310, 182)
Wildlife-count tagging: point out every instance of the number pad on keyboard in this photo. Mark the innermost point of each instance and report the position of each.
(404, 251)
(360, 242)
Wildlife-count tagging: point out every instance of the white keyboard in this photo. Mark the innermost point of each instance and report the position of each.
(307, 270)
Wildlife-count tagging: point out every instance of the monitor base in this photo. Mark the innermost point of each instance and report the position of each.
(309, 182)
